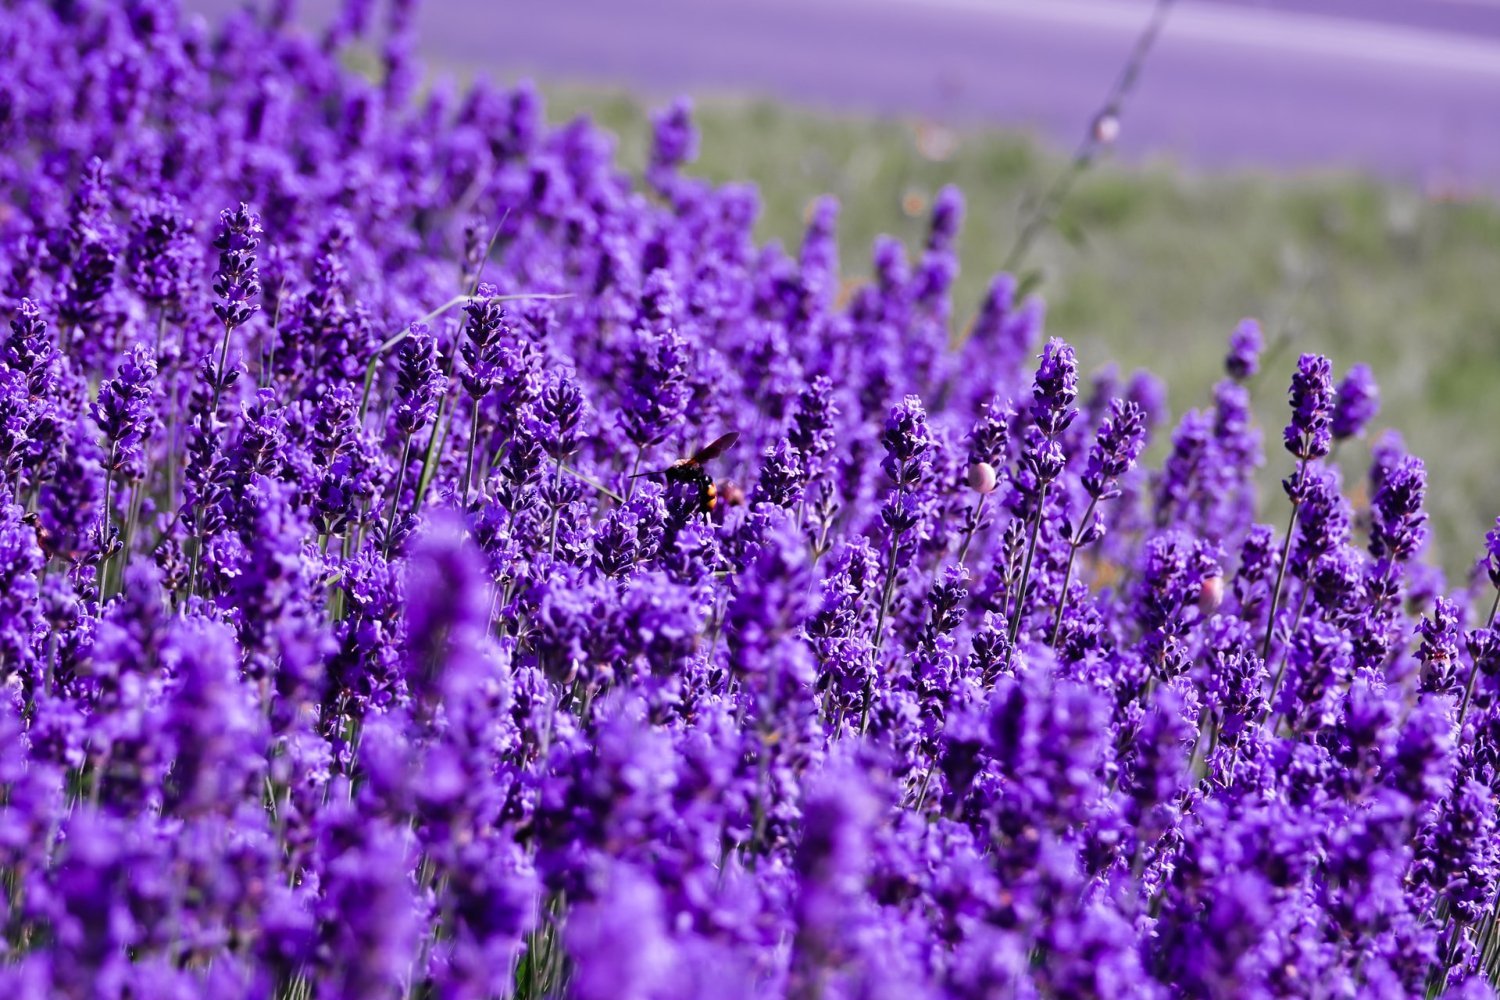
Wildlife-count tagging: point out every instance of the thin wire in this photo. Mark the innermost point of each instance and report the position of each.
(1044, 209)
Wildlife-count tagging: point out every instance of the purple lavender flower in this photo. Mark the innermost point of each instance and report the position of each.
(485, 332)
(237, 280)
(68, 502)
(1121, 436)
(1323, 521)
(1318, 664)
(1236, 683)
(1458, 856)
(213, 722)
(831, 862)
(655, 385)
(817, 262)
(1046, 737)
(124, 413)
(1179, 485)
(1438, 651)
(564, 410)
(30, 351)
(1055, 387)
(1356, 404)
(280, 629)
(1492, 553)
(812, 431)
(447, 606)
(20, 608)
(1310, 435)
(906, 442)
(420, 382)
(1150, 394)
(773, 600)
(158, 258)
(632, 534)
(368, 918)
(947, 216)
(1421, 767)
(674, 139)
(92, 251)
(619, 942)
(1155, 769)
(1397, 529)
(781, 477)
(1245, 345)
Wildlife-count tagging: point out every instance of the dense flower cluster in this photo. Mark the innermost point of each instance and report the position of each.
(360, 638)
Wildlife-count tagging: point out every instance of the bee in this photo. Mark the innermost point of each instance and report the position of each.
(44, 539)
(689, 472)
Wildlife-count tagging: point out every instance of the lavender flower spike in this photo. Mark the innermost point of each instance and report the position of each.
(1122, 435)
(237, 280)
(1055, 387)
(1357, 402)
(1245, 345)
(1309, 435)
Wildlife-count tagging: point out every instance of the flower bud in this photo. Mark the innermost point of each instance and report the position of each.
(1210, 593)
(1106, 129)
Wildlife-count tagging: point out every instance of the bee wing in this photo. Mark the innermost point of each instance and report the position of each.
(719, 446)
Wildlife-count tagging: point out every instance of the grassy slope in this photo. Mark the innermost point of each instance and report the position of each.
(1167, 262)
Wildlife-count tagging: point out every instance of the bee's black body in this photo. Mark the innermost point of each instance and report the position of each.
(689, 472)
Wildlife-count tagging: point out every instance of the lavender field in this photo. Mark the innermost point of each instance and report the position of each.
(436, 561)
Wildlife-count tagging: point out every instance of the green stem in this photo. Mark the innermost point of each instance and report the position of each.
(1062, 600)
(1036, 530)
(192, 582)
(635, 469)
(429, 459)
(109, 481)
(473, 443)
(99, 774)
(127, 522)
(556, 510)
(1285, 652)
(213, 411)
(392, 341)
(963, 549)
(396, 338)
(390, 525)
(888, 591)
(926, 782)
(1286, 549)
(1463, 709)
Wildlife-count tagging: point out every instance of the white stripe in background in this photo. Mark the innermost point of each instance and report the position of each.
(1269, 31)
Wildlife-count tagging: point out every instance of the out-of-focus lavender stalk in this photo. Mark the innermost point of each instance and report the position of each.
(1121, 437)
(1491, 563)
(1308, 437)
(236, 282)
(1054, 390)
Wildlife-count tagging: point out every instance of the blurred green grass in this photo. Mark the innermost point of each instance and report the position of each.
(1161, 262)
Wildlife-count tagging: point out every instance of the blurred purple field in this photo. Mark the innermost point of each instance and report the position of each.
(1410, 91)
